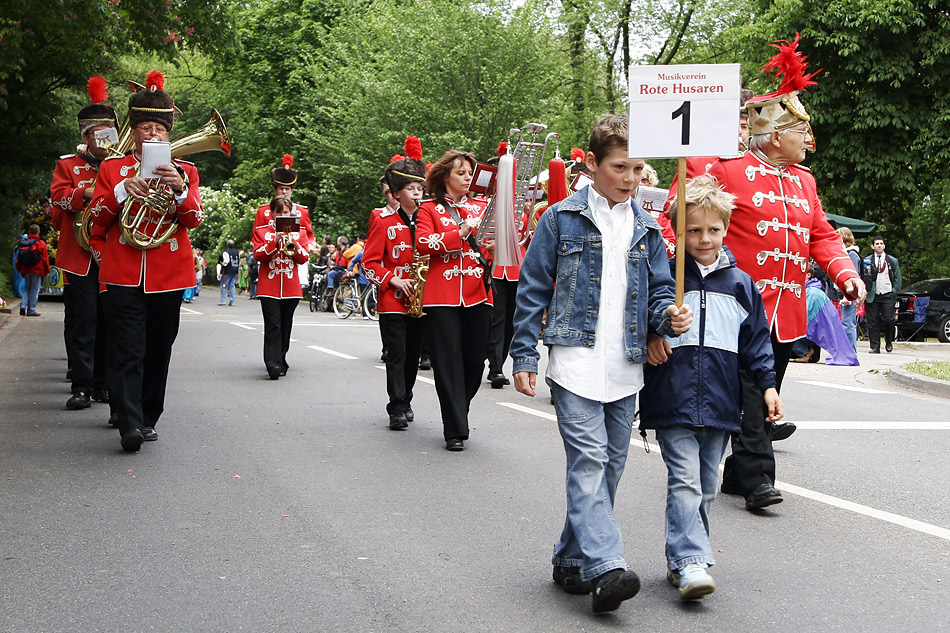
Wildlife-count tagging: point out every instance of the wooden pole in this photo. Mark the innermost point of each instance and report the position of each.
(680, 230)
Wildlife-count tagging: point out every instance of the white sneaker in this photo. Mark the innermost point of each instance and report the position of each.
(693, 581)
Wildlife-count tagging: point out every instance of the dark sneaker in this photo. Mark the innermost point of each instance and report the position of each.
(764, 495)
(398, 421)
(612, 588)
(569, 579)
(101, 396)
(132, 440)
(410, 416)
(150, 434)
(425, 363)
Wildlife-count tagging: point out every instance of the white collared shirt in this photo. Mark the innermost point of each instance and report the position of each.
(602, 372)
(883, 280)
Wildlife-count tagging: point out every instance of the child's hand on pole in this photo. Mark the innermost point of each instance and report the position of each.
(681, 318)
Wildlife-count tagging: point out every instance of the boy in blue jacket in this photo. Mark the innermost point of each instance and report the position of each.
(598, 264)
(692, 396)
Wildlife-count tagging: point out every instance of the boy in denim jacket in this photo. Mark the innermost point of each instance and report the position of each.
(598, 264)
(693, 396)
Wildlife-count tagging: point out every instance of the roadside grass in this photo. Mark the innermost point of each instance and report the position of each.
(932, 369)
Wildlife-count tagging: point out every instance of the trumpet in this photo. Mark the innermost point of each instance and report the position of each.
(287, 244)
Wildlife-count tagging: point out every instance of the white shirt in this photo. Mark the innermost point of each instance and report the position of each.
(883, 285)
(602, 372)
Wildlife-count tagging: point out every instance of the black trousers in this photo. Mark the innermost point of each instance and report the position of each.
(402, 340)
(144, 327)
(459, 338)
(278, 322)
(879, 317)
(752, 462)
(502, 323)
(84, 331)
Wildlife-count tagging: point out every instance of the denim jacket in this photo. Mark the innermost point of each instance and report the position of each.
(562, 270)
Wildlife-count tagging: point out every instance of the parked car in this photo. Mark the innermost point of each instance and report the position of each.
(923, 309)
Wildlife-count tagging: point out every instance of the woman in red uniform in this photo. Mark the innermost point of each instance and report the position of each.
(457, 296)
(279, 253)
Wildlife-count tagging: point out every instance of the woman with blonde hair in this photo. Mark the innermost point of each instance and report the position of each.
(849, 315)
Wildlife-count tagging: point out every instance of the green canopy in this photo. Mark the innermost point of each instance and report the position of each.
(860, 228)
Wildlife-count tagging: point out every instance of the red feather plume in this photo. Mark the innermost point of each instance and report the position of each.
(155, 80)
(395, 158)
(413, 148)
(97, 89)
(287, 161)
(502, 148)
(577, 153)
(790, 64)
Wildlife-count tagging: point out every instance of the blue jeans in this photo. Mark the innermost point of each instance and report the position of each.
(596, 438)
(849, 319)
(31, 292)
(189, 294)
(692, 455)
(197, 285)
(228, 280)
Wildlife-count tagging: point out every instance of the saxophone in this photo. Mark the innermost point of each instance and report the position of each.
(418, 271)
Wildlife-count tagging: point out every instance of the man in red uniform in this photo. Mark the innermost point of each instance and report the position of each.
(279, 252)
(387, 262)
(777, 225)
(144, 282)
(71, 190)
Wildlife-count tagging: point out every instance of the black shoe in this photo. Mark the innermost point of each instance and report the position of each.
(398, 421)
(764, 495)
(101, 396)
(612, 588)
(875, 351)
(888, 347)
(782, 431)
(410, 416)
(731, 489)
(384, 356)
(425, 363)
(32, 314)
(274, 371)
(454, 445)
(498, 381)
(79, 400)
(150, 434)
(283, 369)
(114, 420)
(569, 578)
(22, 311)
(132, 440)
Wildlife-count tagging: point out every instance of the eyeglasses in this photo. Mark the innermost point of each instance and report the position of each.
(150, 129)
(804, 133)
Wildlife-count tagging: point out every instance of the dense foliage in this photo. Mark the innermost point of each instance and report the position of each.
(340, 83)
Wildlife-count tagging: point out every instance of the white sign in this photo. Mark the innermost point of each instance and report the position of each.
(684, 110)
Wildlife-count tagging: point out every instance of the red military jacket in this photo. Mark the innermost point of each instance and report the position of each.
(778, 223)
(168, 267)
(277, 272)
(456, 276)
(387, 253)
(73, 173)
(307, 239)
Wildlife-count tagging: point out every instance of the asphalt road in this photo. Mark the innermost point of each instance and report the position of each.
(289, 505)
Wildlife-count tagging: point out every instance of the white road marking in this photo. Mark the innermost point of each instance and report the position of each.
(419, 378)
(888, 425)
(331, 352)
(243, 325)
(829, 385)
(190, 311)
(857, 508)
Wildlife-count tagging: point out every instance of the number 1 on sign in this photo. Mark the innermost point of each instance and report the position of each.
(683, 111)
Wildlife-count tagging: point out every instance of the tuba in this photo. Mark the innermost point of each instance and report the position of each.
(158, 207)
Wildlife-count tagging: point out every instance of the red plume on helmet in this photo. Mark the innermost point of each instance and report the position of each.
(287, 161)
(395, 158)
(502, 148)
(790, 64)
(97, 89)
(413, 148)
(155, 80)
(577, 154)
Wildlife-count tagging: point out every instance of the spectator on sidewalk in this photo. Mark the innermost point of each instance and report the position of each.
(32, 262)
(228, 260)
(882, 276)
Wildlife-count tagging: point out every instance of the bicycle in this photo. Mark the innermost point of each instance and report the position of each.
(349, 299)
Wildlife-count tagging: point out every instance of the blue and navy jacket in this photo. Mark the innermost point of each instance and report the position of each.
(561, 273)
(699, 384)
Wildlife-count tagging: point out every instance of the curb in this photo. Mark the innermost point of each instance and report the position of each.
(934, 386)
